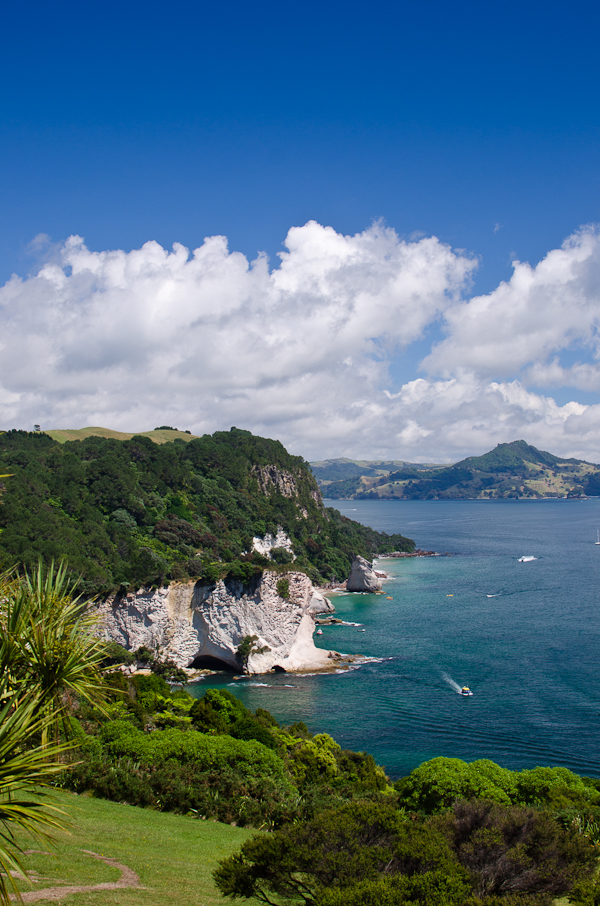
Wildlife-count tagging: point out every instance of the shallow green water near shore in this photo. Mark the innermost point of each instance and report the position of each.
(524, 636)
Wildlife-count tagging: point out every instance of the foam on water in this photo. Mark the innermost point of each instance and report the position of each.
(451, 683)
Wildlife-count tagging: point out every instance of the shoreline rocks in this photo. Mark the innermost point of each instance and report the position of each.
(417, 553)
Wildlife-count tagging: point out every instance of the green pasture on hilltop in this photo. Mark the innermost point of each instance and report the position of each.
(159, 436)
(173, 855)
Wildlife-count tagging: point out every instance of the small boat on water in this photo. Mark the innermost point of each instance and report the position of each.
(465, 691)
(319, 632)
(526, 559)
(598, 536)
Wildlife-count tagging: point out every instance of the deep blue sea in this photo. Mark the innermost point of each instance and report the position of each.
(524, 636)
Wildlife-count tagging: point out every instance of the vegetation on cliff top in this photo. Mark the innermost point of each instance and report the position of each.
(132, 513)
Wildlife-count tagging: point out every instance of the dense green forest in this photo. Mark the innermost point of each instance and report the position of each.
(132, 513)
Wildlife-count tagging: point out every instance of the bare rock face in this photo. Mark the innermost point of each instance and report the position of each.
(203, 625)
(363, 577)
(265, 545)
(283, 481)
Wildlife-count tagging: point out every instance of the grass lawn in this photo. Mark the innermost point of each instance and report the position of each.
(173, 856)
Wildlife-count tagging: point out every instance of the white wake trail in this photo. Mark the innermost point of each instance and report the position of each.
(450, 681)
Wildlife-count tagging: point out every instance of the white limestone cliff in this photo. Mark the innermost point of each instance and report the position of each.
(363, 577)
(203, 625)
(265, 545)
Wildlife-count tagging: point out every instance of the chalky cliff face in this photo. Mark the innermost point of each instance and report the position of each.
(363, 577)
(203, 625)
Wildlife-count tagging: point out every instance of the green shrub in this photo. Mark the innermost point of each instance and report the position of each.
(209, 573)
(586, 893)
(169, 671)
(174, 770)
(248, 647)
(432, 888)
(144, 655)
(250, 728)
(116, 654)
(217, 710)
(516, 848)
(557, 786)
(369, 854)
(283, 588)
(437, 784)
(243, 572)
(152, 683)
(357, 843)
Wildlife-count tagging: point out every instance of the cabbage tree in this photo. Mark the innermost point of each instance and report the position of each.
(49, 643)
(26, 768)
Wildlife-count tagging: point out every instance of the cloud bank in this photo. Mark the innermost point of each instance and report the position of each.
(207, 339)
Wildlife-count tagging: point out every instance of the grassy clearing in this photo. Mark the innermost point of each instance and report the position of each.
(173, 856)
(159, 437)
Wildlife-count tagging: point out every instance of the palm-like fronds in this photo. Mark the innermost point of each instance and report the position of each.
(49, 642)
(24, 771)
(48, 647)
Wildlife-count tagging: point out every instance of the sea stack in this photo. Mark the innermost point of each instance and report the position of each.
(363, 577)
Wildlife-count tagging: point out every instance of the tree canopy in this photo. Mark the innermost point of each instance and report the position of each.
(132, 513)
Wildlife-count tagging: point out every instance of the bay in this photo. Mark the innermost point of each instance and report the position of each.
(524, 636)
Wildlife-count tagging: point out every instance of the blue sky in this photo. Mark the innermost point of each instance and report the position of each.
(474, 123)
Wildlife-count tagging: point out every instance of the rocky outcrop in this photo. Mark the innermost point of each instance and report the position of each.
(203, 625)
(363, 577)
(265, 545)
(273, 477)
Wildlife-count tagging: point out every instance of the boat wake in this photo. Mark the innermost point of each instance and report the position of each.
(451, 683)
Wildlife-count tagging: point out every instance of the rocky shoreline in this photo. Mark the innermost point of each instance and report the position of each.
(200, 627)
(417, 553)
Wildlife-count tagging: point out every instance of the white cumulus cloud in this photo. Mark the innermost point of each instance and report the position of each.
(207, 339)
(518, 328)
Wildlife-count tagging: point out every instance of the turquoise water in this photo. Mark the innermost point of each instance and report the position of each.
(524, 636)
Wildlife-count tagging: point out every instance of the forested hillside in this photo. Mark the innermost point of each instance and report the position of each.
(510, 470)
(132, 513)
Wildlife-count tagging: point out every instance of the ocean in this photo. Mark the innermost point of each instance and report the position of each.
(524, 636)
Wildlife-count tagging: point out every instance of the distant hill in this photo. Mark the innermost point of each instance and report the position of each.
(341, 478)
(512, 470)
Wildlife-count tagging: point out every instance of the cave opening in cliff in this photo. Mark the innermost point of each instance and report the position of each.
(206, 662)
